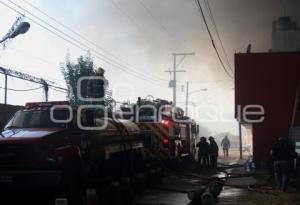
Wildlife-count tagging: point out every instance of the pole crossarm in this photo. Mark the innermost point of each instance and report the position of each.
(174, 71)
(196, 91)
(24, 76)
(171, 71)
(28, 77)
(183, 54)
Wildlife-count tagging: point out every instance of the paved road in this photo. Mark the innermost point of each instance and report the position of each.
(172, 192)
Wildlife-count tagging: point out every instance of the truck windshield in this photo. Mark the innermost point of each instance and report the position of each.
(37, 119)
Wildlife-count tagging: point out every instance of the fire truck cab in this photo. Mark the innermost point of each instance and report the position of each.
(44, 147)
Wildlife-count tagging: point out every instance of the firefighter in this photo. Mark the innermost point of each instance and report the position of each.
(214, 152)
(226, 145)
(203, 152)
(96, 88)
(282, 153)
(99, 72)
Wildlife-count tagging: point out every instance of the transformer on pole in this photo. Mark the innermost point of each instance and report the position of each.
(174, 71)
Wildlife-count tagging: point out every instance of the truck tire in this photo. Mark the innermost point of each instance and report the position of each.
(207, 198)
(72, 182)
(215, 188)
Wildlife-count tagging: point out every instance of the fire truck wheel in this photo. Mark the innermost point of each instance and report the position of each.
(207, 198)
(72, 182)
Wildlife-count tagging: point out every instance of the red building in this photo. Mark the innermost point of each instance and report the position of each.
(269, 80)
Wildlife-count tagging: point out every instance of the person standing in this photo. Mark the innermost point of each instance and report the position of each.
(226, 145)
(282, 152)
(214, 152)
(203, 152)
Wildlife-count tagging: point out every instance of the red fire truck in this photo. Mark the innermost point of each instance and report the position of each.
(166, 132)
(37, 151)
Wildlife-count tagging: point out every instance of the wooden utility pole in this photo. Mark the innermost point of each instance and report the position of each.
(174, 71)
(240, 140)
(187, 98)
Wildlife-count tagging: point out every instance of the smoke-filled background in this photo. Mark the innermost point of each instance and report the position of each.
(141, 35)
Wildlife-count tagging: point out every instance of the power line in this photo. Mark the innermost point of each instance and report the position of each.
(217, 32)
(50, 80)
(31, 56)
(21, 90)
(79, 35)
(212, 40)
(112, 2)
(155, 19)
(61, 91)
(206, 82)
(28, 77)
(82, 48)
(81, 45)
(58, 30)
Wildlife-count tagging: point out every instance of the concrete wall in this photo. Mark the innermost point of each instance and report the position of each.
(270, 80)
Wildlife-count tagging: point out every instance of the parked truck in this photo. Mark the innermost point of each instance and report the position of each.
(166, 132)
(39, 152)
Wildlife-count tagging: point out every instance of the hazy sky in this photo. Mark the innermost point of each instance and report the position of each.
(140, 35)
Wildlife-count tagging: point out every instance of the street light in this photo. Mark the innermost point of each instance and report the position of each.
(22, 28)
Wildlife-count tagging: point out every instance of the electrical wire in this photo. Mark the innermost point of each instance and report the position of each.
(84, 38)
(122, 11)
(21, 90)
(18, 70)
(212, 40)
(155, 19)
(82, 48)
(217, 32)
(71, 30)
(67, 35)
(80, 44)
(31, 56)
(57, 90)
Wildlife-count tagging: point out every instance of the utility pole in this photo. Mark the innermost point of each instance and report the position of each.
(24, 76)
(187, 98)
(175, 65)
(240, 140)
(5, 84)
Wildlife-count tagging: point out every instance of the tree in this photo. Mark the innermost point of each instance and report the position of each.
(84, 67)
